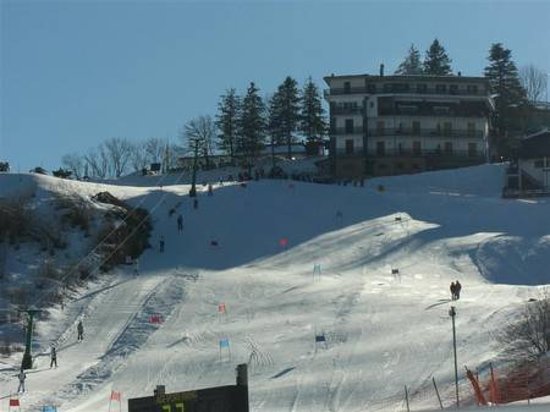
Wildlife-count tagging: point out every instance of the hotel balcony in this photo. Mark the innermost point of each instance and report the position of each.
(437, 133)
(347, 130)
(392, 90)
(410, 153)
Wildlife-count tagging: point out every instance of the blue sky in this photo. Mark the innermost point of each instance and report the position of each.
(75, 73)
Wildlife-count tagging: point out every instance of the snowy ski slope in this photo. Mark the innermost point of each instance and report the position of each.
(383, 331)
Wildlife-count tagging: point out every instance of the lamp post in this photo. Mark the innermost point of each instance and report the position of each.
(193, 190)
(452, 314)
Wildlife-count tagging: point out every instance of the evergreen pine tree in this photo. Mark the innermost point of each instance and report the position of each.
(411, 64)
(274, 119)
(227, 121)
(437, 62)
(312, 115)
(252, 125)
(510, 96)
(284, 112)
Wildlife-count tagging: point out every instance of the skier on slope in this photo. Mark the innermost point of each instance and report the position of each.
(180, 223)
(161, 244)
(53, 356)
(453, 291)
(80, 330)
(22, 376)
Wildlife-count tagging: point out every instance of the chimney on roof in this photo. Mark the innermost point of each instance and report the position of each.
(382, 70)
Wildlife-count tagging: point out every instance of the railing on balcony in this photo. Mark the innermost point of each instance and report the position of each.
(453, 133)
(369, 90)
(346, 110)
(347, 130)
(433, 153)
(464, 110)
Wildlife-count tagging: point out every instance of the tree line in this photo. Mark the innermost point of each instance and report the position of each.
(241, 128)
(244, 125)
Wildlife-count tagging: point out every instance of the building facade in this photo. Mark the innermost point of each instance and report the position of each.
(385, 125)
(529, 173)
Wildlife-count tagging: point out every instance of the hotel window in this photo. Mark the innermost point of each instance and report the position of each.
(471, 89)
(349, 125)
(347, 87)
(447, 129)
(416, 127)
(371, 88)
(453, 89)
(471, 129)
(417, 147)
(380, 148)
(472, 149)
(349, 146)
(421, 88)
(380, 128)
(448, 147)
(539, 164)
(441, 88)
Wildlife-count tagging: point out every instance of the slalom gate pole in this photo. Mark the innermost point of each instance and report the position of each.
(437, 393)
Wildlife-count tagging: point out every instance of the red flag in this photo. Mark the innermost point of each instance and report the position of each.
(283, 242)
(115, 396)
(14, 402)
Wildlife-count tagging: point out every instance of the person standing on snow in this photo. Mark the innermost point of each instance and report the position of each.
(22, 376)
(161, 244)
(80, 330)
(453, 291)
(136, 267)
(53, 356)
(458, 288)
(180, 223)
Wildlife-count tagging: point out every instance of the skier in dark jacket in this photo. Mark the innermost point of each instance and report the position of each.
(180, 223)
(458, 288)
(53, 356)
(453, 291)
(80, 330)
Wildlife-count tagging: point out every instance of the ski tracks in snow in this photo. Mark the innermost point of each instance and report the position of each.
(128, 326)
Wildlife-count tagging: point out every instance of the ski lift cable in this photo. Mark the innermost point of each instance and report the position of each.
(73, 270)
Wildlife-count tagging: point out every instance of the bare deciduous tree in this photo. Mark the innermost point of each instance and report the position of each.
(118, 151)
(155, 149)
(75, 163)
(97, 162)
(138, 157)
(201, 132)
(528, 337)
(534, 81)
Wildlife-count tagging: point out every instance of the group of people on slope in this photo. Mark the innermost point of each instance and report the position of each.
(456, 287)
(22, 376)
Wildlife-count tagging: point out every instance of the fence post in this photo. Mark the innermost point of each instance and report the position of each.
(437, 393)
(407, 398)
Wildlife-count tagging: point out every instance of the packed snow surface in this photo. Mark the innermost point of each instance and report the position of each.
(368, 269)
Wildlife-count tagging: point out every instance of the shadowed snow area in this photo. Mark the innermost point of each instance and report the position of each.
(379, 295)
